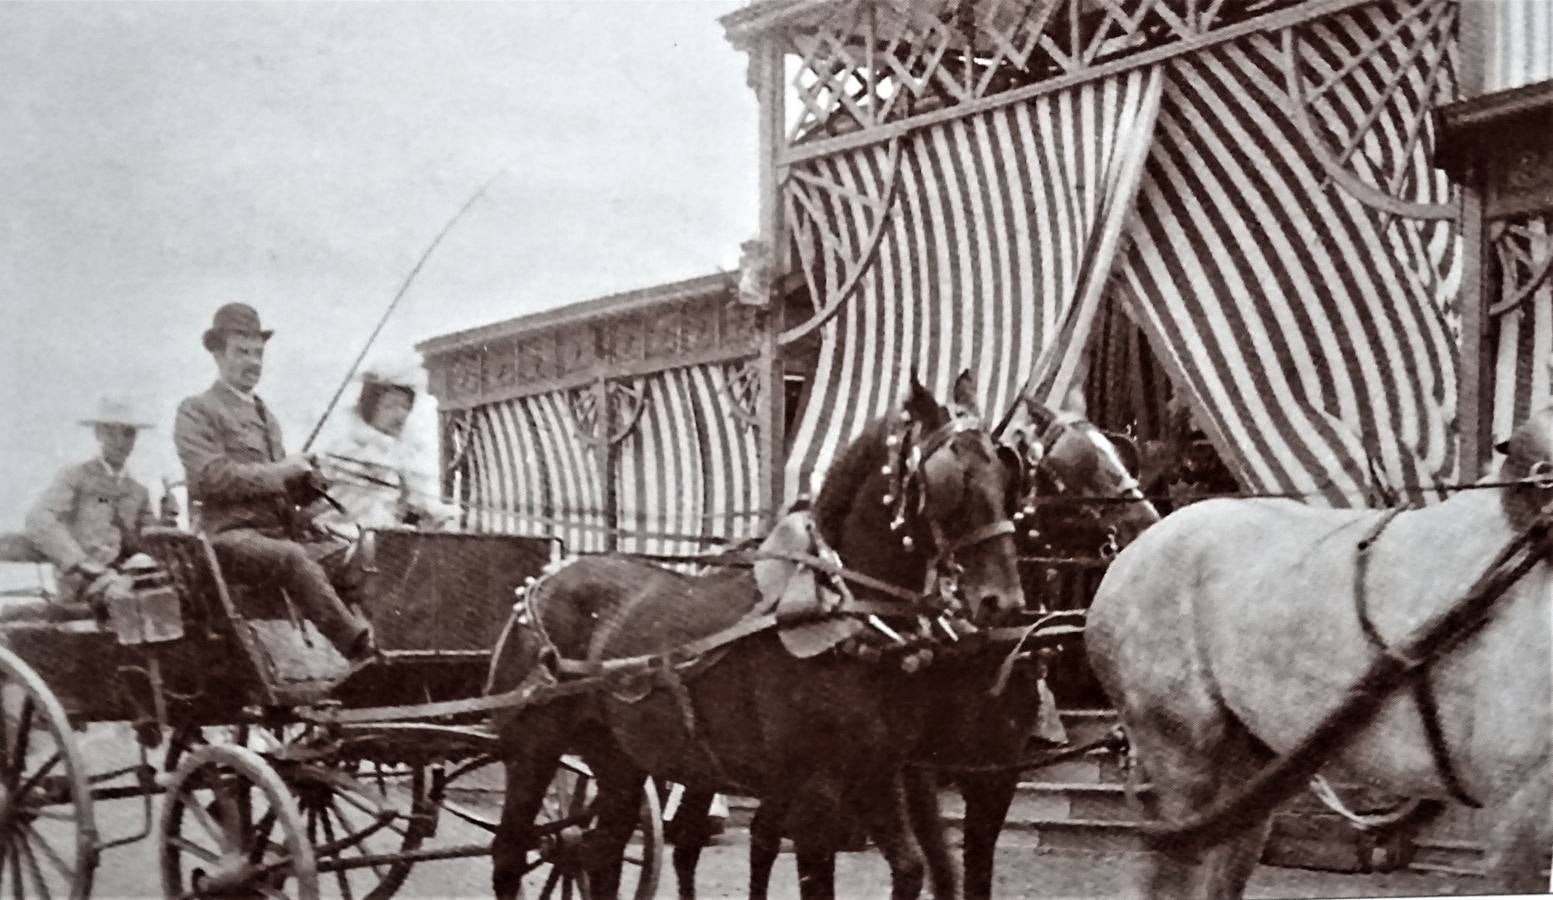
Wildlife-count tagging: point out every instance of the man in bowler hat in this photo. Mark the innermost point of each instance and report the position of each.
(251, 495)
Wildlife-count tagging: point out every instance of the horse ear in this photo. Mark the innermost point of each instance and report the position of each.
(964, 394)
(1075, 401)
(1041, 416)
(922, 406)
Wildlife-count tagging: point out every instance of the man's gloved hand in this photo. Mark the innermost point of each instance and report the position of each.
(89, 569)
(297, 466)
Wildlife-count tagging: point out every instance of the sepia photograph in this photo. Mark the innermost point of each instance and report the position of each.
(776, 449)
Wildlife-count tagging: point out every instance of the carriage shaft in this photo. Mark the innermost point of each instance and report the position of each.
(460, 851)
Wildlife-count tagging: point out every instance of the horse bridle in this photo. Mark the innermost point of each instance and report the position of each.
(1129, 491)
(909, 457)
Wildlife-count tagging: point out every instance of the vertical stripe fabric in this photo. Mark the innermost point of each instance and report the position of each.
(1523, 335)
(530, 473)
(1000, 236)
(1520, 43)
(1311, 333)
(689, 469)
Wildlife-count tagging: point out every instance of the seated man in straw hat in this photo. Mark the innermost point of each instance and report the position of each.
(91, 515)
(251, 496)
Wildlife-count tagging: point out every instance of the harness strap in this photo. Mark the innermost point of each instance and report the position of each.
(1422, 689)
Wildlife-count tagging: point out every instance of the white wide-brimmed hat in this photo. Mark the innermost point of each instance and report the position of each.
(115, 410)
(402, 371)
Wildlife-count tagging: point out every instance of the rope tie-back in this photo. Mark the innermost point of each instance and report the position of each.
(1362, 821)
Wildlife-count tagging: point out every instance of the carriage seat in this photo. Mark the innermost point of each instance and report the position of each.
(288, 647)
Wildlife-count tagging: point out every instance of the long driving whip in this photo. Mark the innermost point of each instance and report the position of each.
(410, 279)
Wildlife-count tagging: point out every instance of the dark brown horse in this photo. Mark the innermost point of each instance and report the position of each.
(921, 492)
(974, 736)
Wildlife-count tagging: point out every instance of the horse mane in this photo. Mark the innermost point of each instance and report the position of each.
(857, 462)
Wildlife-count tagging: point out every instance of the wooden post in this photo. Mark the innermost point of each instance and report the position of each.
(1474, 382)
(608, 461)
(1475, 375)
(766, 76)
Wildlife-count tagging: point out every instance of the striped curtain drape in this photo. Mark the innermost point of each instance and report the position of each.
(689, 472)
(1001, 231)
(529, 473)
(1312, 334)
(686, 474)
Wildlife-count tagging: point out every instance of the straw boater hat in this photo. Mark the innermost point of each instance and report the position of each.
(234, 318)
(114, 410)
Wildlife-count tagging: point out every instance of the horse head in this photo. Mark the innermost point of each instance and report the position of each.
(923, 495)
(1058, 453)
(1529, 461)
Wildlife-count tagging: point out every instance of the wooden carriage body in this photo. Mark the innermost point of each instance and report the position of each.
(233, 652)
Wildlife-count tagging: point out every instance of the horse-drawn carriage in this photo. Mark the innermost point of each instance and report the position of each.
(280, 767)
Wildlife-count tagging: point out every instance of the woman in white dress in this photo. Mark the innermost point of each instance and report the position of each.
(382, 473)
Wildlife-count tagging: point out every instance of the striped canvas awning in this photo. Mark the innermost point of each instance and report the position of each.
(981, 243)
(1312, 333)
(686, 468)
(1310, 326)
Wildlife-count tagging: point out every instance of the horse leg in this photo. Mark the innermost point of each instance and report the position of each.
(765, 845)
(1520, 838)
(889, 823)
(987, 799)
(690, 832)
(927, 825)
(530, 767)
(1188, 776)
(814, 821)
(621, 788)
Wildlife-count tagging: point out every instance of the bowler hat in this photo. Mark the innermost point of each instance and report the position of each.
(235, 318)
(115, 410)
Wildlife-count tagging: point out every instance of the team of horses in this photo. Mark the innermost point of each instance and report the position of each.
(1220, 634)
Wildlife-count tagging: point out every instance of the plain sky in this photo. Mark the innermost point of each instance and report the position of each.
(158, 160)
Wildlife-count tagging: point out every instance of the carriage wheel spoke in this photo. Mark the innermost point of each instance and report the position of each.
(361, 846)
(261, 838)
(550, 883)
(15, 868)
(210, 825)
(23, 737)
(57, 815)
(35, 870)
(188, 846)
(49, 852)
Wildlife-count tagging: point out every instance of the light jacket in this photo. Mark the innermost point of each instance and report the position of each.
(88, 513)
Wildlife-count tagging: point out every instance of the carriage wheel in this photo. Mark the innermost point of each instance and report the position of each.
(229, 827)
(564, 822)
(48, 843)
(361, 818)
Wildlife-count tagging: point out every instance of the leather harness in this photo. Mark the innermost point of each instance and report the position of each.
(1423, 691)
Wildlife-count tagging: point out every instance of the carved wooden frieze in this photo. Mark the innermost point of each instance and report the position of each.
(635, 339)
(501, 366)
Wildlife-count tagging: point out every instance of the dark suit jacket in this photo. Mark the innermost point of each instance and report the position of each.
(231, 449)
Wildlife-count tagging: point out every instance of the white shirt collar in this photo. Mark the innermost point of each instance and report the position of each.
(114, 473)
(246, 396)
